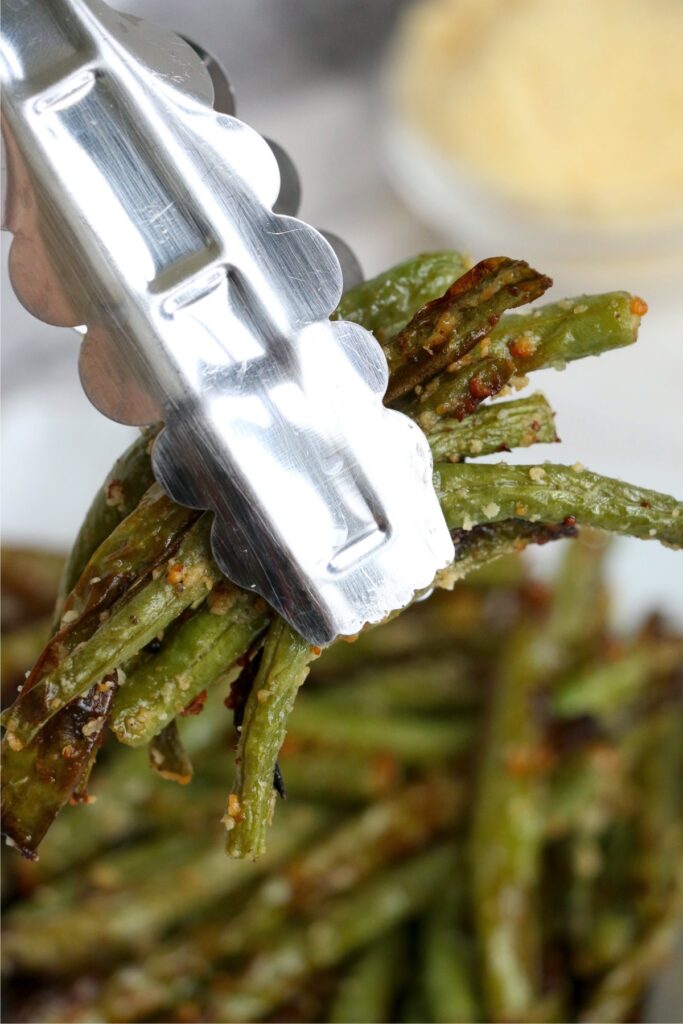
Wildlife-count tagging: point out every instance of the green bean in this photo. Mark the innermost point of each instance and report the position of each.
(515, 510)
(203, 649)
(382, 833)
(494, 428)
(578, 613)
(447, 328)
(359, 847)
(365, 993)
(414, 740)
(355, 851)
(77, 922)
(418, 684)
(127, 481)
(335, 864)
(590, 882)
(471, 493)
(585, 787)
(386, 303)
(132, 896)
(131, 690)
(38, 780)
(329, 775)
(130, 801)
(611, 798)
(482, 545)
(549, 336)
(448, 967)
(168, 757)
(348, 924)
(659, 771)
(284, 666)
(145, 987)
(511, 794)
(131, 625)
(570, 329)
(605, 689)
(511, 542)
(149, 535)
(120, 566)
(177, 967)
(597, 900)
(622, 988)
(506, 840)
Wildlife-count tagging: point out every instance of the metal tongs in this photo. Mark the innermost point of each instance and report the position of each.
(144, 215)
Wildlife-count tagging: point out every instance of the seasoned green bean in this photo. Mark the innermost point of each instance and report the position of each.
(482, 545)
(168, 757)
(130, 626)
(150, 534)
(505, 842)
(550, 336)
(127, 481)
(386, 303)
(446, 329)
(336, 863)
(563, 787)
(205, 647)
(284, 666)
(350, 923)
(133, 904)
(494, 428)
(472, 494)
(39, 779)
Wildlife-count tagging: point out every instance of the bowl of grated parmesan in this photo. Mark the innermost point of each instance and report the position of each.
(550, 125)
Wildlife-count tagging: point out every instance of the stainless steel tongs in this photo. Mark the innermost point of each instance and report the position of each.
(145, 216)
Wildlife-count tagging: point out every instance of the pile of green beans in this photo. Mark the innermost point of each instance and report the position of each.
(146, 626)
(483, 823)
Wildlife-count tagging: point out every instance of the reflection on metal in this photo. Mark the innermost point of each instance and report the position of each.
(140, 211)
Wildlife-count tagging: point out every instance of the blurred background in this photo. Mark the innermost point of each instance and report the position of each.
(375, 125)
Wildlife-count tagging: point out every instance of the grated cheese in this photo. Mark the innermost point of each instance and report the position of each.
(583, 100)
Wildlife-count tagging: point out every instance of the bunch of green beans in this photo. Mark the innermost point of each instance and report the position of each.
(483, 823)
(147, 626)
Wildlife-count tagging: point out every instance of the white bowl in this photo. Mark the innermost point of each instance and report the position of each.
(462, 211)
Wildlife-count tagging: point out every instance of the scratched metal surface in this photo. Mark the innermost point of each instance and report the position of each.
(145, 215)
